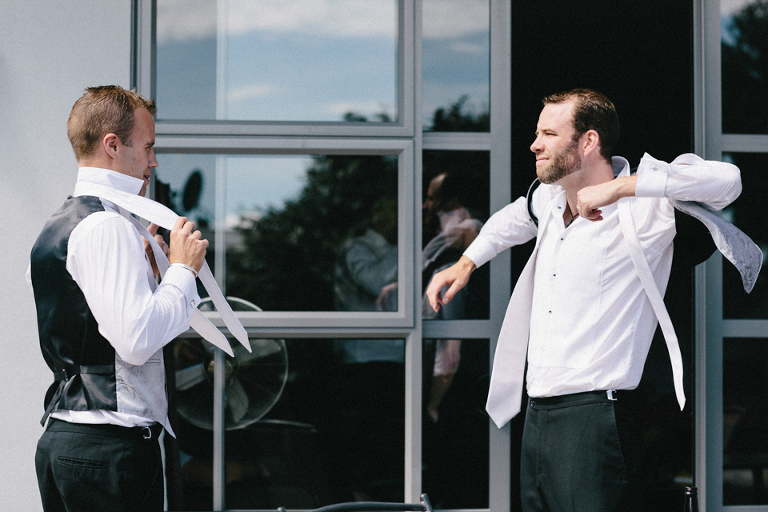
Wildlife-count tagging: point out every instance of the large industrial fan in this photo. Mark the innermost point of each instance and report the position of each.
(253, 381)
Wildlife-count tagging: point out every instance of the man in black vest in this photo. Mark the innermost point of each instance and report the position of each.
(103, 318)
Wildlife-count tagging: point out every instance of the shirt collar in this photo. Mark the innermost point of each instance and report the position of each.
(620, 166)
(106, 177)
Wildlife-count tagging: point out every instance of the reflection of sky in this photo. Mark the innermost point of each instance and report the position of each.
(315, 60)
(256, 183)
(290, 78)
(252, 183)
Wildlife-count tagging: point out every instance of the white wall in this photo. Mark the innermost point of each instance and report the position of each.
(49, 52)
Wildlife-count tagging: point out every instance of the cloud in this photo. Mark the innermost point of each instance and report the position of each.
(179, 20)
(250, 91)
(182, 20)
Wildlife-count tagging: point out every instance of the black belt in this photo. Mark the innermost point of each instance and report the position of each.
(105, 429)
(611, 395)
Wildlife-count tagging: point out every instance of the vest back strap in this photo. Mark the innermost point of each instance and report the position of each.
(62, 376)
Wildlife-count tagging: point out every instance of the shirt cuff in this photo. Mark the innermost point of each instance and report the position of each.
(651, 177)
(480, 252)
(183, 279)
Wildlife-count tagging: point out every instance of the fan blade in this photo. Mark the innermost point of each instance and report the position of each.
(237, 400)
(260, 348)
(190, 376)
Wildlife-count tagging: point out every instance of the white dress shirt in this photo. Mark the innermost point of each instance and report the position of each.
(107, 260)
(591, 322)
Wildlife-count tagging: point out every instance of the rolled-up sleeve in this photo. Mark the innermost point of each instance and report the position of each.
(689, 178)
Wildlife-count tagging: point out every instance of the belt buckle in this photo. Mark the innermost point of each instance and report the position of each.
(611, 394)
(147, 433)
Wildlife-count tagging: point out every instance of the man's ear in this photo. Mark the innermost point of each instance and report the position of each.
(111, 144)
(590, 142)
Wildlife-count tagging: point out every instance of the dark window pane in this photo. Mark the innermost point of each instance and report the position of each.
(455, 433)
(747, 214)
(454, 208)
(744, 49)
(309, 422)
(745, 421)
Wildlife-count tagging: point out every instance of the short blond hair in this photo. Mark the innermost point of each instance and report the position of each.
(100, 111)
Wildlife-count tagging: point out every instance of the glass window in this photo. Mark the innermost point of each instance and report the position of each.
(455, 434)
(296, 233)
(745, 421)
(454, 207)
(747, 214)
(456, 65)
(309, 422)
(325, 60)
(744, 24)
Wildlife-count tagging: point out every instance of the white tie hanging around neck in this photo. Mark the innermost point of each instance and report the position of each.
(166, 218)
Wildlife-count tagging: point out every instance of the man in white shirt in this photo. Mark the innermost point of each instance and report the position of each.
(581, 311)
(103, 319)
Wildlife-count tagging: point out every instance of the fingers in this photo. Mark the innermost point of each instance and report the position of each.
(152, 228)
(589, 212)
(187, 245)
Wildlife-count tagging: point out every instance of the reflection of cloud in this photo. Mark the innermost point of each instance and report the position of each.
(180, 20)
(248, 92)
(469, 48)
(446, 19)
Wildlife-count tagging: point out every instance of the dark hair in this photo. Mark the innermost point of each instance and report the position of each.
(100, 111)
(592, 111)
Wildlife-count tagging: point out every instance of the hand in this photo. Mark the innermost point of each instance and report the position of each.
(591, 199)
(187, 246)
(455, 276)
(148, 248)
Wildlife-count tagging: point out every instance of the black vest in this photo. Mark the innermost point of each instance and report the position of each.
(82, 360)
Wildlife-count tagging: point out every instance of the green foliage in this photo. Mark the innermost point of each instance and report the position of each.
(288, 255)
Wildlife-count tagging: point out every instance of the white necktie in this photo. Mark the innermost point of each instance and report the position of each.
(166, 218)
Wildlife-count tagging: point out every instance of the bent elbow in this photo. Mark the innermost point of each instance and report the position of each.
(731, 190)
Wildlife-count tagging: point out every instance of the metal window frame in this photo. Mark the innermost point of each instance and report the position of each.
(405, 139)
(711, 328)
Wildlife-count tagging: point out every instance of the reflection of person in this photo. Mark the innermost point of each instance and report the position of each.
(591, 322)
(368, 263)
(365, 434)
(103, 319)
(457, 229)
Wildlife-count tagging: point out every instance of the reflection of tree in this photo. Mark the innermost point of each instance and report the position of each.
(457, 119)
(287, 256)
(745, 70)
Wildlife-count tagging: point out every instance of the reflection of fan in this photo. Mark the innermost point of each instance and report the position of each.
(253, 381)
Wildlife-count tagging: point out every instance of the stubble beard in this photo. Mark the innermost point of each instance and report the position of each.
(563, 164)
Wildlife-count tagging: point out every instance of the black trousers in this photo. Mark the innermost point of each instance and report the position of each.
(581, 453)
(99, 468)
